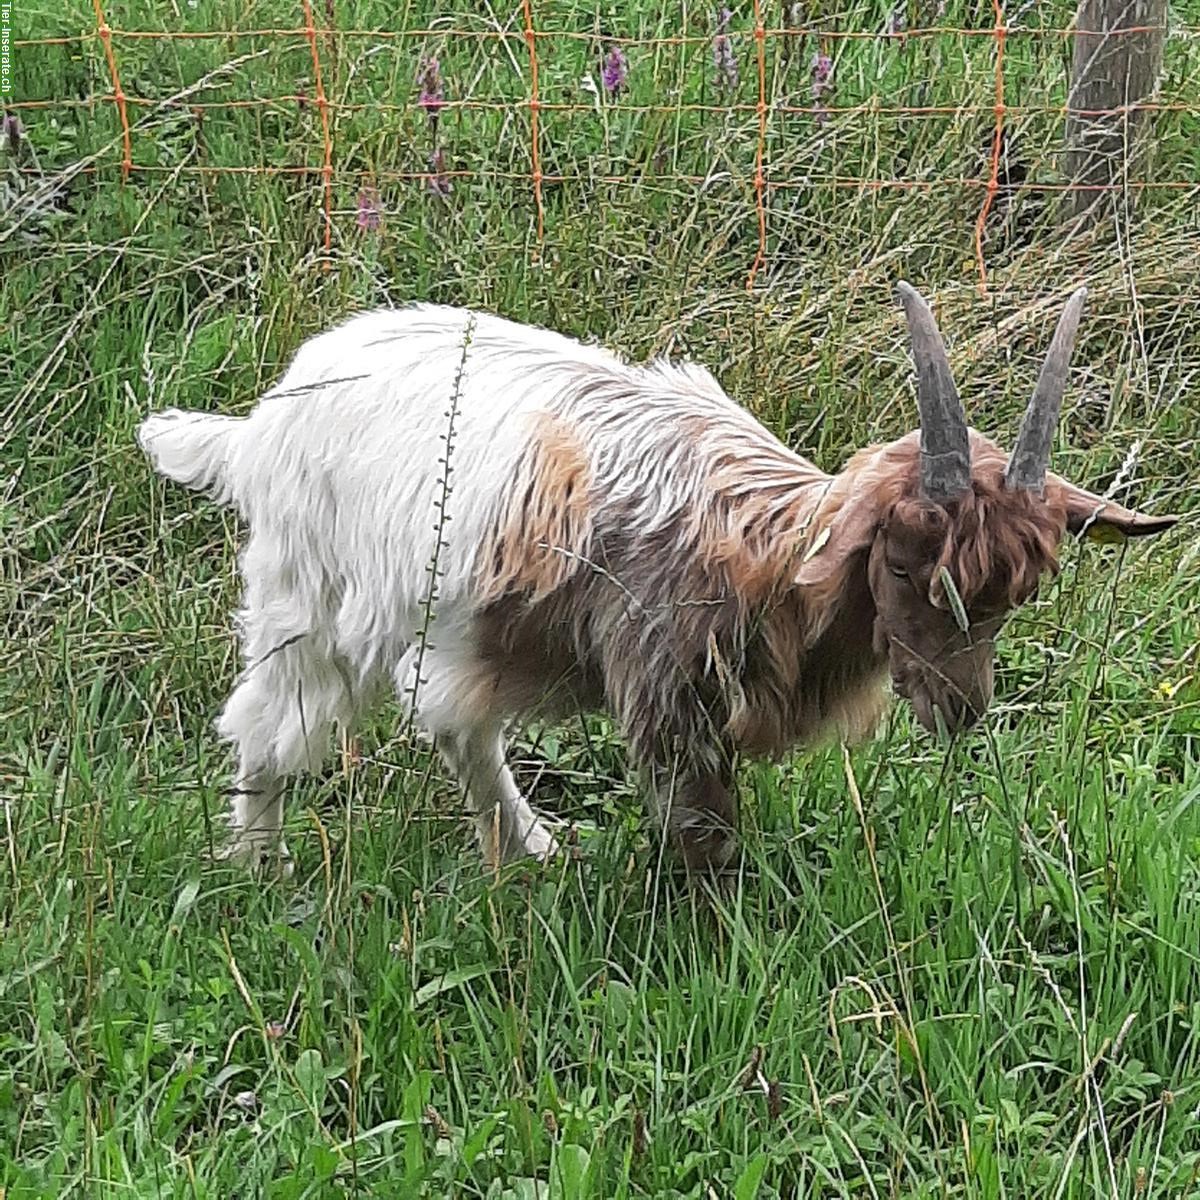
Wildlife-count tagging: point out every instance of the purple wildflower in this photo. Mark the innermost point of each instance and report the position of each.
(11, 131)
(897, 21)
(616, 69)
(430, 79)
(723, 56)
(822, 81)
(370, 212)
(439, 178)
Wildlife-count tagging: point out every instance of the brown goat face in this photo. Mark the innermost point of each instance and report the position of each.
(991, 523)
(940, 668)
(955, 532)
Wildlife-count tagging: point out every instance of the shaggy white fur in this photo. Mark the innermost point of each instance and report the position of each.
(341, 473)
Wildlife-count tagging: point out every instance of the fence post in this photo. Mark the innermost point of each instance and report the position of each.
(1118, 58)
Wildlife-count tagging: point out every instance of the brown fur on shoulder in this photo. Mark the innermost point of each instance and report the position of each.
(545, 529)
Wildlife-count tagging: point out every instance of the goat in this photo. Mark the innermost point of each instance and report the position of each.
(501, 521)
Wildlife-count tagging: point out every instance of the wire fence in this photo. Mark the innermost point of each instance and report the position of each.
(538, 74)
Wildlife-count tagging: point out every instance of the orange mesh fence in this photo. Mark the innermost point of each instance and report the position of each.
(993, 182)
(323, 107)
(808, 50)
(105, 35)
(534, 107)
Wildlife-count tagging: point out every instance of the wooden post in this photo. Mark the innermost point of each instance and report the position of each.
(1112, 69)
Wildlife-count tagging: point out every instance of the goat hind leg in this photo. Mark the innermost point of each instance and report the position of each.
(255, 835)
(279, 716)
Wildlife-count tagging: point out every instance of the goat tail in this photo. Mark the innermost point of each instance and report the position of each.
(192, 448)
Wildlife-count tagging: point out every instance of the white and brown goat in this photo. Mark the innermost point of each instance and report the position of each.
(497, 520)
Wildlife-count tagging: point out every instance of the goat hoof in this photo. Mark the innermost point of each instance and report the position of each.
(264, 857)
(535, 844)
(538, 843)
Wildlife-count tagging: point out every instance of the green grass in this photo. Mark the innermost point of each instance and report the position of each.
(979, 979)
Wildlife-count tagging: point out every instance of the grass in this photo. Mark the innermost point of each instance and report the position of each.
(966, 973)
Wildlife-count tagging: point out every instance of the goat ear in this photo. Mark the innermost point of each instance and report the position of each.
(851, 530)
(1101, 520)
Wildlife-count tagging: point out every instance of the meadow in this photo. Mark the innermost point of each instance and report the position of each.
(945, 971)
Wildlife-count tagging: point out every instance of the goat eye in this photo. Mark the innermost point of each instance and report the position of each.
(899, 572)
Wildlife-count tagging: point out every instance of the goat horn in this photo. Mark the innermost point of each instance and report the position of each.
(1027, 466)
(945, 448)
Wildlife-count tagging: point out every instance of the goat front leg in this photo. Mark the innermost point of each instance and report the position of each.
(507, 828)
(675, 736)
(697, 809)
